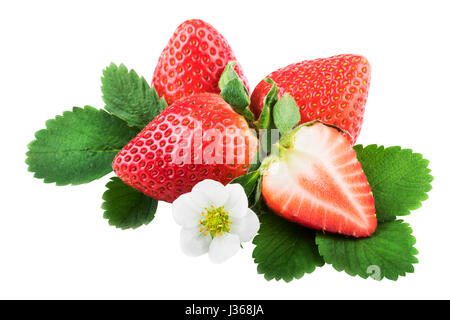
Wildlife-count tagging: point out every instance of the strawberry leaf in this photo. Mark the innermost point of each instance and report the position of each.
(251, 182)
(399, 178)
(248, 182)
(129, 97)
(77, 147)
(257, 203)
(388, 253)
(284, 250)
(126, 207)
(286, 114)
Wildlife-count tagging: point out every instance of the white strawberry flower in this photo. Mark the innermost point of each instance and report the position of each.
(214, 219)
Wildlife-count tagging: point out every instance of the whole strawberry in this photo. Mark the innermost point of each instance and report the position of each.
(196, 138)
(192, 62)
(333, 90)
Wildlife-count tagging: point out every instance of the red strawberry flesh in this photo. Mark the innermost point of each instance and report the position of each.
(319, 183)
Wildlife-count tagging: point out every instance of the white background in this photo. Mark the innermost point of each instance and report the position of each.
(54, 242)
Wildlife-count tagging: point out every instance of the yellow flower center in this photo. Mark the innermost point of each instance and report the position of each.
(215, 221)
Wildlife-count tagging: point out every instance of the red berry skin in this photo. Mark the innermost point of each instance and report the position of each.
(333, 90)
(193, 61)
(196, 138)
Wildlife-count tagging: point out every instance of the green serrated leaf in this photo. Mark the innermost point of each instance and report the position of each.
(248, 182)
(399, 178)
(129, 97)
(286, 114)
(126, 207)
(388, 253)
(284, 250)
(162, 104)
(77, 147)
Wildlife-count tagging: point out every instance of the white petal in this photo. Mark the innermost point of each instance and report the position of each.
(210, 193)
(199, 200)
(223, 247)
(185, 211)
(237, 203)
(193, 243)
(246, 227)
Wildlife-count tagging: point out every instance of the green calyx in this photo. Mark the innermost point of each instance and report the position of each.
(234, 92)
(265, 118)
(286, 114)
(285, 145)
(228, 75)
(215, 221)
(280, 114)
(287, 140)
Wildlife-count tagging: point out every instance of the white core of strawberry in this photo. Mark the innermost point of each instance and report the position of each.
(320, 149)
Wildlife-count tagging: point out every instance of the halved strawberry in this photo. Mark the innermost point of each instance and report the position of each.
(317, 181)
